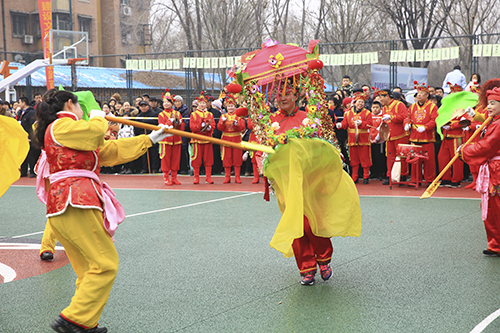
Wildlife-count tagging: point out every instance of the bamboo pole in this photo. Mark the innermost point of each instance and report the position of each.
(242, 145)
(435, 184)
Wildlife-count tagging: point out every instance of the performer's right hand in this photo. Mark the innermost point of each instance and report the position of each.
(97, 113)
(160, 134)
(386, 117)
(339, 125)
(407, 127)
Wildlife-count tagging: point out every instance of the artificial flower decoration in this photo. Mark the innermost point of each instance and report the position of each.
(255, 88)
(271, 43)
(275, 61)
(232, 72)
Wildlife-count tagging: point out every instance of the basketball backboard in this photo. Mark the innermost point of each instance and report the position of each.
(68, 45)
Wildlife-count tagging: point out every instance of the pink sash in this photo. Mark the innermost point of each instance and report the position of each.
(482, 185)
(114, 213)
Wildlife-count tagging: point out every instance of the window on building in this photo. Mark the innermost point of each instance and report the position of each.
(19, 24)
(85, 24)
(36, 22)
(60, 21)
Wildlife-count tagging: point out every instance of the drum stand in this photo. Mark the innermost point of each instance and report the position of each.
(416, 162)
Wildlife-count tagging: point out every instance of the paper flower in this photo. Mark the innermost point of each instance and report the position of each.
(306, 122)
(275, 126)
(275, 61)
(271, 43)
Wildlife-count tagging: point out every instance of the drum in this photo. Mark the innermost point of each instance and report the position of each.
(409, 151)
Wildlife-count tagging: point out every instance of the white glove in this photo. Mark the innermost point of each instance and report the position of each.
(203, 124)
(463, 118)
(377, 138)
(224, 119)
(470, 112)
(420, 129)
(477, 127)
(172, 119)
(386, 117)
(97, 113)
(407, 127)
(339, 125)
(160, 134)
(357, 122)
(209, 127)
(466, 129)
(446, 127)
(245, 156)
(236, 123)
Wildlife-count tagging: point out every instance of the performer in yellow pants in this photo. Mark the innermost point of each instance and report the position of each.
(94, 258)
(82, 211)
(49, 242)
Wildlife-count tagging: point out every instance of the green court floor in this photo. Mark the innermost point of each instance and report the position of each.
(201, 262)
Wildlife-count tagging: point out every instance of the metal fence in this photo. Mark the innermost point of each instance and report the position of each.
(187, 73)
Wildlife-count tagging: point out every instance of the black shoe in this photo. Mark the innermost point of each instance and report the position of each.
(385, 182)
(454, 185)
(63, 326)
(445, 183)
(489, 253)
(32, 175)
(46, 256)
(403, 179)
(144, 171)
(365, 181)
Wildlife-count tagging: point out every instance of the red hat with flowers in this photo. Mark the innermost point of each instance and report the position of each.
(202, 97)
(420, 87)
(166, 96)
(230, 99)
(454, 87)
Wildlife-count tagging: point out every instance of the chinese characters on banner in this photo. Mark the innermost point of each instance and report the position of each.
(45, 13)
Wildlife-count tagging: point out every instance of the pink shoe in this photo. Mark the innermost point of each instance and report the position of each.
(326, 271)
(307, 280)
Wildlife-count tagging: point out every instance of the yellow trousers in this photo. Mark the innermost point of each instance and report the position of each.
(94, 259)
(49, 240)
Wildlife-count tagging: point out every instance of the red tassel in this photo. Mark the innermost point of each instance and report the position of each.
(266, 189)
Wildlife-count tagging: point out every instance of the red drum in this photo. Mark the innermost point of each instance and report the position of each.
(409, 151)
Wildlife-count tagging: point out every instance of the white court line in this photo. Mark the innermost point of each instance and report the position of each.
(7, 272)
(482, 325)
(190, 205)
(33, 233)
(165, 209)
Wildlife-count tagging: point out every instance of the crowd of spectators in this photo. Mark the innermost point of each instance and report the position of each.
(146, 109)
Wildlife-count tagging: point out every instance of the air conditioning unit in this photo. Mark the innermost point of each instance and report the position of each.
(126, 11)
(28, 39)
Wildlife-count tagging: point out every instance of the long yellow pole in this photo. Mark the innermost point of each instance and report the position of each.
(435, 184)
(242, 145)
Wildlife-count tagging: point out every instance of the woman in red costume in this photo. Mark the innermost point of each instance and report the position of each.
(75, 149)
(486, 154)
(231, 126)
(170, 148)
(310, 250)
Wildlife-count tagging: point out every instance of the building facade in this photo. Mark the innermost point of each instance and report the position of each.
(114, 27)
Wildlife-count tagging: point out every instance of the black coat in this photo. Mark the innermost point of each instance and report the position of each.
(27, 119)
(149, 113)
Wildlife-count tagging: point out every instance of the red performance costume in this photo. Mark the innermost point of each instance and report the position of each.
(202, 122)
(309, 250)
(170, 147)
(479, 118)
(231, 126)
(486, 154)
(453, 136)
(359, 148)
(422, 122)
(395, 113)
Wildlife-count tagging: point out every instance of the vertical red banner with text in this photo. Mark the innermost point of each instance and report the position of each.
(45, 13)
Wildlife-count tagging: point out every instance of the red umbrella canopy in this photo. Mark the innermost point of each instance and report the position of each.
(280, 61)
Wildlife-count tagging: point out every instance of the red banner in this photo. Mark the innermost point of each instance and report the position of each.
(45, 13)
